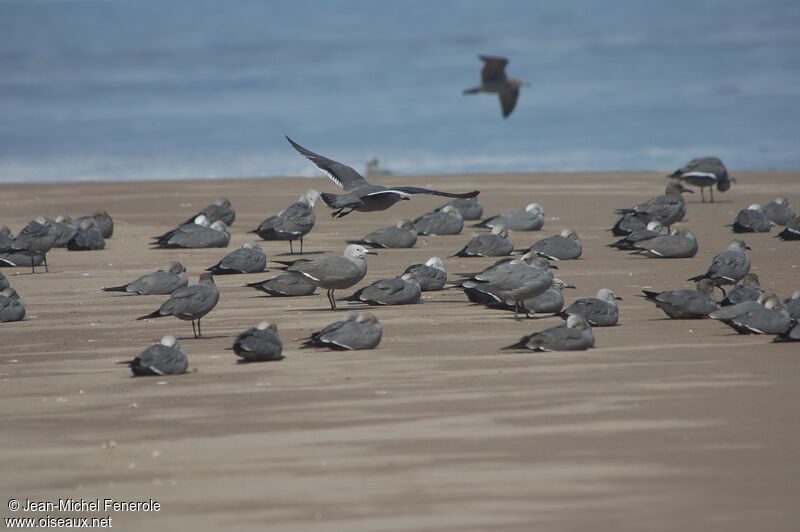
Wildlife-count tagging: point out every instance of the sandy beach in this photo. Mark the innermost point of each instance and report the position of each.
(665, 425)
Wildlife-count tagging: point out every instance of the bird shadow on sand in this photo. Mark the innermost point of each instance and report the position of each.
(216, 337)
(281, 297)
(300, 255)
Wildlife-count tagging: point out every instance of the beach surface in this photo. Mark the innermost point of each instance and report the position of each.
(665, 425)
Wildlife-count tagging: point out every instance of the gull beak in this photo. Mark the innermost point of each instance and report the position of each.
(371, 253)
(570, 286)
(618, 298)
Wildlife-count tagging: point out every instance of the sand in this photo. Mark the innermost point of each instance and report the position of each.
(665, 425)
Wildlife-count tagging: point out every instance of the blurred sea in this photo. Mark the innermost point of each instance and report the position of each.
(165, 89)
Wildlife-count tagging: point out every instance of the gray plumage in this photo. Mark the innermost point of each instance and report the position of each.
(495, 81)
(680, 244)
(626, 224)
(494, 244)
(66, 229)
(779, 211)
(685, 303)
(444, 221)
(333, 273)
(728, 267)
(771, 318)
(195, 235)
(221, 209)
(665, 209)
(792, 230)
(752, 220)
(401, 235)
(190, 303)
(470, 209)
(574, 335)
(87, 238)
(629, 240)
(286, 285)
(6, 238)
(247, 259)
(564, 246)
(164, 358)
(12, 308)
(531, 218)
(431, 276)
(748, 289)
(550, 301)
(359, 331)
(705, 172)
(792, 305)
(34, 240)
(599, 311)
(792, 335)
(403, 290)
(515, 280)
(292, 223)
(259, 344)
(733, 311)
(3, 282)
(14, 260)
(159, 282)
(359, 194)
(102, 221)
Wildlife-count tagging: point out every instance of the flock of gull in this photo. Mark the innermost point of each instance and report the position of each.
(522, 281)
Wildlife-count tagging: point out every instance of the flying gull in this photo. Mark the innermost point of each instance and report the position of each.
(494, 80)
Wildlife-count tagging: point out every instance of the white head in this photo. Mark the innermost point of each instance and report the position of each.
(604, 294)
(532, 259)
(452, 211)
(754, 207)
(367, 317)
(88, 223)
(251, 244)
(405, 224)
(206, 278)
(175, 267)
(500, 230)
(64, 219)
(773, 301)
(223, 202)
(569, 233)
(9, 293)
(310, 197)
(559, 285)
(267, 326)
(219, 225)
(781, 201)
(409, 278)
(354, 251)
(576, 321)
(535, 208)
(796, 294)
(202, 219)
(435, 262)
(737, 244)
(654, 226)
(168, 341)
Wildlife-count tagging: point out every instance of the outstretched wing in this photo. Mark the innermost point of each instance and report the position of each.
(494, 68)
(508, 100)
(341, 174)
(418, 190)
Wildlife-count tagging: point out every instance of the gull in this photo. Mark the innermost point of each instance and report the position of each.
(199, 234)
(221, 209)
(565, 246)
(159, 282)
(792, 230)
(359, 194)
(190, 303)
(779, 211)
(574, 335)
(444, 221)
(705, 172)
(685, 303)
(66, 229)
(401, 235)
(753, 219)
(599, 311)
(403, 290)
(163, 358)
(531, 218)
(332, 273)
(728, 267)
(666, 209)
(494, 80)
(286, 285)
(292, 223)
(431, 276)
(643, 232)
(34, 241)
(259, 344)
(103, 220)
(247, 259)
(360, 330)
(494, 244)
(680, 244)
(87, 238)
(12, 308)
(550, 301)
(470, 209)
(748, 289)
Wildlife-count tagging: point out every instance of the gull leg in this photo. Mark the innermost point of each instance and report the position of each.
(33, 270)
(703, 194)
(194, 331)
(44, 256)
(199, 332)
(301, 245)
(711, 190)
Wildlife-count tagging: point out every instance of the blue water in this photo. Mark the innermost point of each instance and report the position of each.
(127, 89)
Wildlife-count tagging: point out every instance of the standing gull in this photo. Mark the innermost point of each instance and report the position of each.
(565, 246)
(728, 267)
(159, 282)
(599, 311)
(190, 303)
(403, 290)
(286, 285)
(332, 273)
(292, 223)
(704, 172)
(431, 276)
(666, 209)
(574, 335)
(550, 301)
(444, 221)
(163, 358)
(531, 218)
(494, 244)
(494, 80)
(359, 194)
(401, 235)
(685, 303)
(247, 259)
(34, 240)
(359, 331)
(259, 344)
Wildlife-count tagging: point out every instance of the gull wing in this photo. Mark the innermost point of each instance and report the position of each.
(341, 174)
(494, 68)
